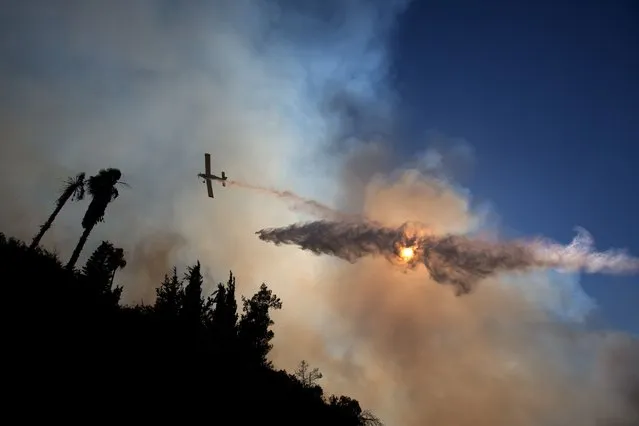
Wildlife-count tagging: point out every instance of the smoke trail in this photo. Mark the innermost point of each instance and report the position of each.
(450, 259)
(580, 255)
(301, 203)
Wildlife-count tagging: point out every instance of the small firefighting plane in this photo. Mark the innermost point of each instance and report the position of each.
(208, 177)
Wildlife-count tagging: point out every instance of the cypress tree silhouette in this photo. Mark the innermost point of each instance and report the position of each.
(170, 296)
(72, 190)
(103, 191)
(221, 311)
(193, 305)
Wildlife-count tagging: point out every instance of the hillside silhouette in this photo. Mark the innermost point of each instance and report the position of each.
(75, 352)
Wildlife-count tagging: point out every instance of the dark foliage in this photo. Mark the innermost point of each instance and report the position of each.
(75, 353)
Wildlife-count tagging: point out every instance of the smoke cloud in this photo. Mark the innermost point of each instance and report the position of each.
(452, 259)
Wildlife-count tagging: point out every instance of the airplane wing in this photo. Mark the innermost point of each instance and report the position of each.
(207, 163)
(209, 188)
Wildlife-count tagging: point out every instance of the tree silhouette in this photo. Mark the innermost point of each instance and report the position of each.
(73, 190)
(347, 408)
(221, 316)
(254, 327)
(307, 377)
(367, 418)
(170, 296)
(193, 304)
(102, 189)
(100, 269)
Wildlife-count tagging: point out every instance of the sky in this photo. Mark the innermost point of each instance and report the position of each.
(495, 120)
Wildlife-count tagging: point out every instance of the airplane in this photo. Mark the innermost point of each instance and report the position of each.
(208, 177)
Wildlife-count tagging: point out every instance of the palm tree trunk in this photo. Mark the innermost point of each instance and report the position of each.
(80, 246)
(45, 227)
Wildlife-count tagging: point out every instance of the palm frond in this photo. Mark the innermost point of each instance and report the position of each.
(73, 188)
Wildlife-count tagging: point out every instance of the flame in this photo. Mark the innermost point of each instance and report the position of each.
(407, 253)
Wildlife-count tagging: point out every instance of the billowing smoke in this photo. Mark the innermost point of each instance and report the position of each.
(452, 259)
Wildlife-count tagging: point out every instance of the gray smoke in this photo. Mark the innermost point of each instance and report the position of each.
(450, 259)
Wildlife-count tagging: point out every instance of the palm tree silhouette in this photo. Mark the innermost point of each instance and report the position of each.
(74, 190)
(102, 189)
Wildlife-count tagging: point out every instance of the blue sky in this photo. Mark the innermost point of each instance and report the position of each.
(547, 94)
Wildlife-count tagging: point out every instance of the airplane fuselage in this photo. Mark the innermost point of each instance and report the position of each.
(210, 177)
